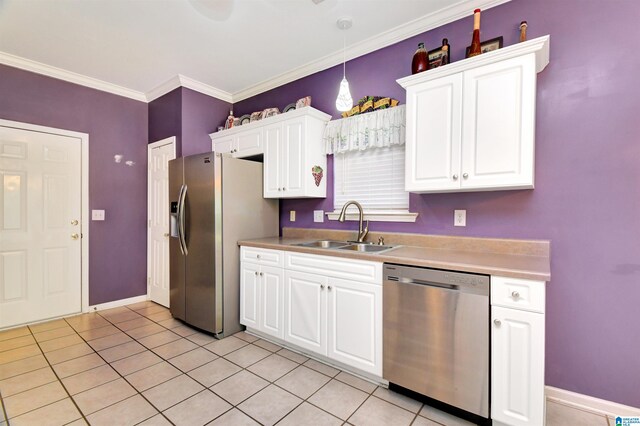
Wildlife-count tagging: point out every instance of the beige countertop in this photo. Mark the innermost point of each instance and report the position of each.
(484, 256)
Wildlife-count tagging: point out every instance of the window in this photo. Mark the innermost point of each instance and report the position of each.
(374, 178)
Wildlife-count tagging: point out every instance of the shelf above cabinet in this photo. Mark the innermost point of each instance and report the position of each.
(539, 46)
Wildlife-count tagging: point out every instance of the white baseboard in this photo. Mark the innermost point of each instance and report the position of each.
(117, 303)
(589, 403)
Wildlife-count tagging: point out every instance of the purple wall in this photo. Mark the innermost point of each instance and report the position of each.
(116, 125)
(188, 115)
(587, 196)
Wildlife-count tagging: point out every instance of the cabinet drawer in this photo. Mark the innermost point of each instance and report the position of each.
(349, 269)
(261, 256)
(516, 293)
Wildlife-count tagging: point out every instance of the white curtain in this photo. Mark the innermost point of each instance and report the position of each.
(376, 129)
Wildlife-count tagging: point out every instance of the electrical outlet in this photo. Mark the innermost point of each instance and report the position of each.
(292, 215)
(97, 214)
(318, 216)
(459, 218)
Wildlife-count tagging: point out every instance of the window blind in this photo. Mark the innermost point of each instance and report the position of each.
(374, 178)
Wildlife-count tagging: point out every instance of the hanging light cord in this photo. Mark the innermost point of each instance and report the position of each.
(344, 56)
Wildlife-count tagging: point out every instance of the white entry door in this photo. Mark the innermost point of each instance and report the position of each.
(40, 226)
(160, 153)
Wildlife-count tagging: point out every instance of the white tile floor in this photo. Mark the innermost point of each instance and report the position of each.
(137, 365)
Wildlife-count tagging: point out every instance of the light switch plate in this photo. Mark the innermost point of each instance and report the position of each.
(292, 215)
(318, 216)
(97, 214)
(459, 218)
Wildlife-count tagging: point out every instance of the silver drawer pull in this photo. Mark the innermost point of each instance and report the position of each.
(497, 322)
(515, 294)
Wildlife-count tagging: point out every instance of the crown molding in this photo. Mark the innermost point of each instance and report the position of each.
(402, 32)
(205, 89)
(69, 76)
(184, 81)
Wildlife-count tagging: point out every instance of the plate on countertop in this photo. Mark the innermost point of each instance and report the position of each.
(289, 107)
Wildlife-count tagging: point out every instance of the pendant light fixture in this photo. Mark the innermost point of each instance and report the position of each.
(344, 101)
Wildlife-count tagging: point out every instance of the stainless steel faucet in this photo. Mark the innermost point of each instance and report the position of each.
(362, 233)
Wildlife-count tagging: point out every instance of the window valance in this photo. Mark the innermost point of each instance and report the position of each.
(376, 129)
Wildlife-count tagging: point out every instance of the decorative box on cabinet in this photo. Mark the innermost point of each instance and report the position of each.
(517, 352)
(292, 146)
(471, 124)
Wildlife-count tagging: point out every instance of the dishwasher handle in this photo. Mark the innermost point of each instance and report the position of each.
(449, 280)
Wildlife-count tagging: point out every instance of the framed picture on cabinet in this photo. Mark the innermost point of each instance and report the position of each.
(437, 57)
(487, 46)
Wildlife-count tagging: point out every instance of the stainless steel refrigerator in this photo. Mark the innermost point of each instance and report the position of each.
(215, 201)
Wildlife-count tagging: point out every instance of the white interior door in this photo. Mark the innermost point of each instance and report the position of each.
(160, 153)
(40, 226)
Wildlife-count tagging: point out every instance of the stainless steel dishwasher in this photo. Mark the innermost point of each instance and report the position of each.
(436, 335)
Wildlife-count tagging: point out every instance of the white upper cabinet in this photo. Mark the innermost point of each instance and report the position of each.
(471, 124)
(292, 147)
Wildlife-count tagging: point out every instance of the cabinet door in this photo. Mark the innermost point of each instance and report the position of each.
(434, 114)
(271, 301)
(499, 125)
(248, 143)
(249, 295)
(224, 145)
(354, 324)
(517, 367)
(272, 161)
(293, 158)
(305, 311)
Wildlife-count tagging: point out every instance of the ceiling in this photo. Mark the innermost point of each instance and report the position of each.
(242, 48)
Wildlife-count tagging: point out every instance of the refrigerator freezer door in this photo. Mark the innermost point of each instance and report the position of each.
(176, 257)
(198, 238)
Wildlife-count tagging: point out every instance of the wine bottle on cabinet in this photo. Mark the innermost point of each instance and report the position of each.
(230, 119)
(446, 51)
(420, 61)
(475, 40)
(523, 31)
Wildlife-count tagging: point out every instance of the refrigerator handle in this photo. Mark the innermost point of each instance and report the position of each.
(179, 219)
(182, 220)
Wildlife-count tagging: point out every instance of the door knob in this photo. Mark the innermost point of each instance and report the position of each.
(261, 274)
(74, 222)
(465, 175)
(455, 177)
(497, 322)
(329, 288)
(321, 286)
(75, 236)
(515, 294)
(256, 273)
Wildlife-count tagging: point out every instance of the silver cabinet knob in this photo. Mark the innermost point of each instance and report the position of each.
(75, 236)
(465, 175)
(256, 273)
(497, 322)
(257, 256)
(515, 294)
(284, 189)
(329, 288)
(261, 274)
(74, 222)
(321, 286)
(279, 189)
(455, 177)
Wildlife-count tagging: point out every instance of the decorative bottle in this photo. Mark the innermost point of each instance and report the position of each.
(523, 31)
(420, 61)
(230, 120)
(475, 40)
(446, 51)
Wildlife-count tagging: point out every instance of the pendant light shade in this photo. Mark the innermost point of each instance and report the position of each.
(344, 101)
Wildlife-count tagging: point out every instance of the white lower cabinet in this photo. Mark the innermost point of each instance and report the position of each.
(517, 362)
(321, 311)
(262, 298)
(305, 306)
(354, 324)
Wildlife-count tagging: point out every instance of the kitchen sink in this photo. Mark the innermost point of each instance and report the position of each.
(346, 245)
(324, 244)
(366, 248)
